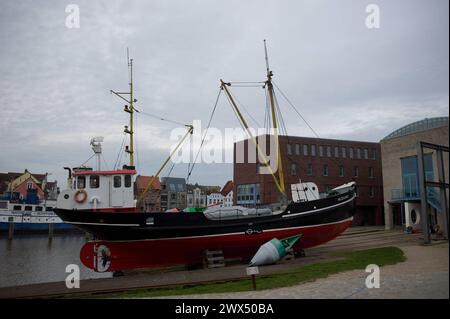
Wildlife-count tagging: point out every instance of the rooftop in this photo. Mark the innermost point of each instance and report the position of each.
(419, 126)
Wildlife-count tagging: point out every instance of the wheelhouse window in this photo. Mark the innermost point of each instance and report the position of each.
(38, 208)
(117, 181)
(127, 181)
(81, 182)
(29, 208)
(94, 181)
(17, 207)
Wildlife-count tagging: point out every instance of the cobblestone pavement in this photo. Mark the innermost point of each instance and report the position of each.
(425, 274)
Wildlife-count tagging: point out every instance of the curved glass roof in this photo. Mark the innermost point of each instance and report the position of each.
(419, 126)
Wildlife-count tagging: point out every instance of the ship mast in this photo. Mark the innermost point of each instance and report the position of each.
(274, 121)
(129, 108)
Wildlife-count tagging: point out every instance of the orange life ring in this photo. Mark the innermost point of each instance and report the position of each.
(77, 196)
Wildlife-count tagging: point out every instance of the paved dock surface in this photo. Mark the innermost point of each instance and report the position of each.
(353, 239)
(424, 275)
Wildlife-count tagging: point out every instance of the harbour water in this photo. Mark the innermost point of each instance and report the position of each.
(29, 259)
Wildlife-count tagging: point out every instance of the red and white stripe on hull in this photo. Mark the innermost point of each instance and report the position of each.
(123, 255)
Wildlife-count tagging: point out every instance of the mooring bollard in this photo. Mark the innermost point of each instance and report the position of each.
(50, 231)
(11, 228)
(253, 271)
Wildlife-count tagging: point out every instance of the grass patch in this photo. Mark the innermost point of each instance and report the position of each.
(349, 261)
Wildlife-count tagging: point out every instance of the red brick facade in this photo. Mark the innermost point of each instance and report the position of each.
(298, 165)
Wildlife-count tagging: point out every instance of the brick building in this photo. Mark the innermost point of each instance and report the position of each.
(326, 162)
(152, 200)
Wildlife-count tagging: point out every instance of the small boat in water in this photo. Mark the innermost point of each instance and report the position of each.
(103, 203)
(30, 217)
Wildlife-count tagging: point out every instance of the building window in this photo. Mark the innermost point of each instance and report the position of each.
(321, 150)
(371, 192)
(357, 191)
(366, 153)
(356, 171)
(248, 194)
(358, 153)
(344, 152)
(325, 170)
(289, 149)
(117, 181)
(309, 170)
(297, 149)
(341, 171)
(305, 149)
(370, 172)
(374, 153)
(81, 182)
(336, 151)
(293, 169)
(351, 152)
(313, 150)
(94, 181)
(410, 178)
(127, 181)
(329, 151)
(29, 185)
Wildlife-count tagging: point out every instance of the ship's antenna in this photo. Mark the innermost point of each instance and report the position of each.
(267, 58)
(129, 109)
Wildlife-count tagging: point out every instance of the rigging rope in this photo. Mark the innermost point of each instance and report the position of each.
(119, 155)
(159, 117)
(204, 136)
(295, 109)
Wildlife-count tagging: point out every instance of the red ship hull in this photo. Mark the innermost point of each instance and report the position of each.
(108, 256)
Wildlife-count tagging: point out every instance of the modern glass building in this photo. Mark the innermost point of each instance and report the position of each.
(400, 171)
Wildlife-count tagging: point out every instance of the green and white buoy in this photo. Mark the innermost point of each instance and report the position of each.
(273, 250)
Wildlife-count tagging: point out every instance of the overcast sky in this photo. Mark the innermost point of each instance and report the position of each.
(348, 81)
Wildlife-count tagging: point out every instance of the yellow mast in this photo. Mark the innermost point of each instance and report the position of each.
(279, 182)
(129, 108)
(252, 138)
(274, 120)
(150, 183)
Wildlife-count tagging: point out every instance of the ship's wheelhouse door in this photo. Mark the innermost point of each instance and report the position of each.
(117, 191)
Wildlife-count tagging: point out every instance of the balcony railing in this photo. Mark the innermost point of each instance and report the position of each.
(402, 195)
